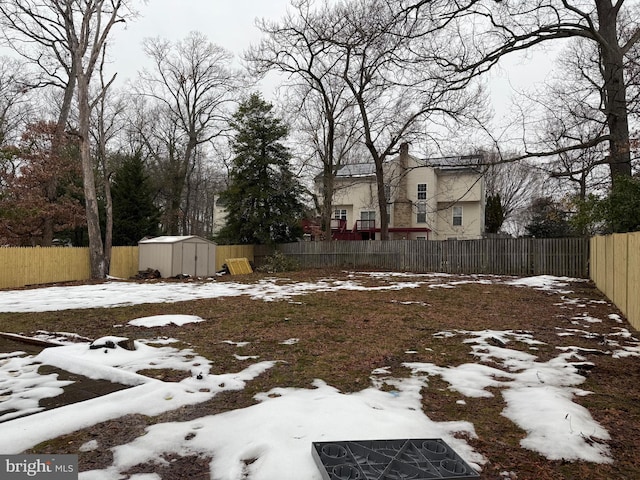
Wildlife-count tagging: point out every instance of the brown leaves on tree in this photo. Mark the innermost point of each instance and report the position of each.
(42, 194)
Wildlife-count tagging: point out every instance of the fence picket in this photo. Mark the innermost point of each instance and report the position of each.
(512, 256)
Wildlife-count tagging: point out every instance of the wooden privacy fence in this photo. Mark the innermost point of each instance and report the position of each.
(20, 266)
(615, 269)
(521, 256)
(503, 256)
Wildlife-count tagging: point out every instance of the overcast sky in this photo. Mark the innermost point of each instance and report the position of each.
(231, 24)
(227, 23)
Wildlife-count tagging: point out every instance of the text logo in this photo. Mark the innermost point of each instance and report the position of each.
(39, 467)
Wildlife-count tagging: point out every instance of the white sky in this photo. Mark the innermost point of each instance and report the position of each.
(279, 429)
(231, 24)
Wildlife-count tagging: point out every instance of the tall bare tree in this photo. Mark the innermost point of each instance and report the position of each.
(386, 61)
(194, 84)
(515, 184)
(14, 105)
(107, 121)
(69, 35)
(300, 48)
(572, 108)
(484, 31)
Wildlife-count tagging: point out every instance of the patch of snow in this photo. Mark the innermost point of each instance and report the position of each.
(556, 427)
(538, 396)
(237, 344)
(548, 283)
(246, 357)
(89, 446)
(163, 320)
(22, 387)
(276, 434)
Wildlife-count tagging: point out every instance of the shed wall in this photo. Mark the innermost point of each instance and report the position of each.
(157, 257)
(192, 256)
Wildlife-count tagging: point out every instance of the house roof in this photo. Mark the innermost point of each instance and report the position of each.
(357, 170)
(452, 163)
(460, 162)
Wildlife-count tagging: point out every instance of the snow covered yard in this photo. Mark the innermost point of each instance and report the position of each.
(234, 379)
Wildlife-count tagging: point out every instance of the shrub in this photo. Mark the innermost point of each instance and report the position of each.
(278, 262)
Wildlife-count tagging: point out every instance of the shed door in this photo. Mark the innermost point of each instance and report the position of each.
(202, 260)
(189, 254)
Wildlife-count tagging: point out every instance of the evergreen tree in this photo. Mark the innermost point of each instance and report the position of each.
(134, 213)
(263, 201)
(548, 219)
(494, 214)
(622, 206)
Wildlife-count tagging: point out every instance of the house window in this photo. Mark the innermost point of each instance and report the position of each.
(422, 191)
(387, 192)
(457, 216)
(367, 219)
(422, 212)
(340, 214)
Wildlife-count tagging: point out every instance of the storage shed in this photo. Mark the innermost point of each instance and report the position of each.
(178, 255)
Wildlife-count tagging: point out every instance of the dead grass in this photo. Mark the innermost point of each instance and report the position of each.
(345, 335)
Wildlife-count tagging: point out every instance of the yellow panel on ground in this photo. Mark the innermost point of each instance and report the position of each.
(238, 266)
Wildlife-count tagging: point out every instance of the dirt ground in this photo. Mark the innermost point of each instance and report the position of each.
(345, 335)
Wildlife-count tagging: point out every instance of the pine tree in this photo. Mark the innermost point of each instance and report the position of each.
(548, 219)
(621, 209)
(263, 201)
(494, 213)
(134, 213)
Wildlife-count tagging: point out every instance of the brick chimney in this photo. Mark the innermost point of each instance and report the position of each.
(402, 208)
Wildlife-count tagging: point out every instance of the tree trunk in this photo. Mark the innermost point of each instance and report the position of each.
(96, 248)
(327, 201)
(108, 234)
(67, 99)
(382, 201)
(47, 224)
(615, 101)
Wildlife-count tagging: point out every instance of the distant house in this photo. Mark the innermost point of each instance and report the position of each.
(429, 199)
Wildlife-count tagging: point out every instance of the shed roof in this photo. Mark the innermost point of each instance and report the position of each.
(172, 239)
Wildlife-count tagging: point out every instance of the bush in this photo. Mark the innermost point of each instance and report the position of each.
(278, 262)
(622, 206)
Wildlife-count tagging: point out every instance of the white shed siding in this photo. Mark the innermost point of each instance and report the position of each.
(171, 256)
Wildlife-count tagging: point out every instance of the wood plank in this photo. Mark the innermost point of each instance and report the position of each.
(238, 266)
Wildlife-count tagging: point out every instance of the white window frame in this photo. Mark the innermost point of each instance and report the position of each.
(421, 215)
(457, 216)
(421, 191)
(366, 216)
(340, 214)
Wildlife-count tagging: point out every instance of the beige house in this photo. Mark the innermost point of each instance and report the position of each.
(429, 199)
